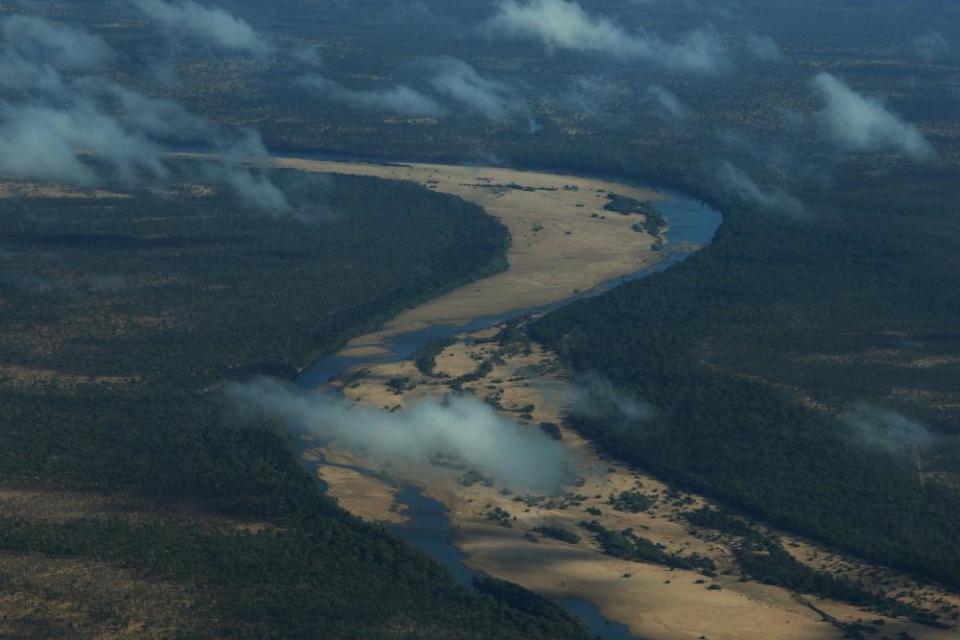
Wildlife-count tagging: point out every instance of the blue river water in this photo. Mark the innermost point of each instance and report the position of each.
(692, 226)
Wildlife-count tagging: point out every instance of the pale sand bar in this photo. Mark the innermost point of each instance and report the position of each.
(657, 603)
(558, 247)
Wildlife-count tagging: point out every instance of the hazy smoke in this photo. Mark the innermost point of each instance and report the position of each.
(465, 429)
(887, 430)
(208, 24)
(860, 123)
(737, 183)
(563, 24)
(399, 99)
(592, 396)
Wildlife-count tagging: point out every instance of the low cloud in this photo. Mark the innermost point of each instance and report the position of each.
(33, 49)
(763, 48)
(157, 117)
(453, 87)
(463, 429)
(738, 184)
(859, 123)
(401, 100)
(564, 24)
(667, 105)
(253, 189)
(593, 96)
(37, 39)
(45, 143)
(723, 10)
(461, 83)
(886, 430)
(412, 11)
(594, 397)
(81, 128)
(208, 24)
(930, 46)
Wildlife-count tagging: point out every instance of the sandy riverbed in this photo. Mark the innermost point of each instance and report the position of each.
(563, 240)
(656, 602)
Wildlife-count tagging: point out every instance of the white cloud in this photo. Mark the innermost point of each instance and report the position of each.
(668, 105)
(878, 428)
(51, 125)
(930, 46)
(592, 396)
(399, 99)
(563, 24)
(860, 123)
(209, 24)
(458, 81)
(463, 429)
(737, 183)
(58, 45)
(763, 47)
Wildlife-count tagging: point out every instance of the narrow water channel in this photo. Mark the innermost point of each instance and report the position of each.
(692, 224)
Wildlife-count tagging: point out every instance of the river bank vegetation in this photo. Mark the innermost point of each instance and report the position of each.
(803, 368)
(120, 317)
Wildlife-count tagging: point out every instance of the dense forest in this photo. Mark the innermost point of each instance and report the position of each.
(751, 349)
(120, 316)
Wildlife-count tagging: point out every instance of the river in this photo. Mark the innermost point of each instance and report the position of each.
(692, 225)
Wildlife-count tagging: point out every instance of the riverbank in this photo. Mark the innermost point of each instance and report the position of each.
(564, 243)
(496, 529)
(563, 240)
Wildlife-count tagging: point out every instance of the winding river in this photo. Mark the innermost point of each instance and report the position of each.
(692, 225)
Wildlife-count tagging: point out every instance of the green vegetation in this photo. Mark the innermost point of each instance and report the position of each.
(551, 617)
(718, 520)
(654, 221)
(482, 370)
(629, 546)
(500, 516)
(426, 356)
(473, 476)
(749, 350)
(766, 560)
(120, 318)
(631, 501)
(557, 533)
(552, 430)
(751, 347)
